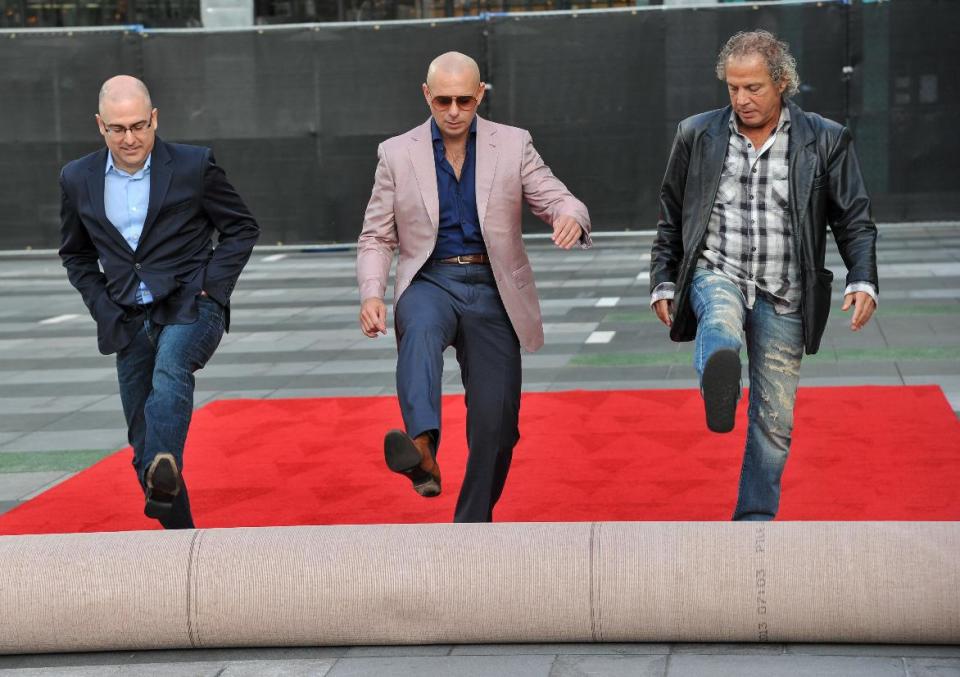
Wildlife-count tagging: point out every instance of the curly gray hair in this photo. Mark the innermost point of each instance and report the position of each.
(780, 62)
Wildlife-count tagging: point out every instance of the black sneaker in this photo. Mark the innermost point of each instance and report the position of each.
(721, 389)
(162, 486)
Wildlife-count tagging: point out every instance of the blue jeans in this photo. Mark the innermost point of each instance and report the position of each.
(774, 350)
(459, 305)
(155, 373)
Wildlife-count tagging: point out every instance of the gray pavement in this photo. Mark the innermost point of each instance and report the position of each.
(294, 334)
(511, 660)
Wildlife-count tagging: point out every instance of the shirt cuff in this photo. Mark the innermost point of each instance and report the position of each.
(664, 290)
(867, 287)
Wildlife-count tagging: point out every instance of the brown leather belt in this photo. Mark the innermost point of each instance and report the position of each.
(482, 259)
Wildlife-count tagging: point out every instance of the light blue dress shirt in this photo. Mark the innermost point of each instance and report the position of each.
(125, 199)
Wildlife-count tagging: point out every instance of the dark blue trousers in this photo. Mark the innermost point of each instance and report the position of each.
(156, 379)
(459, 305)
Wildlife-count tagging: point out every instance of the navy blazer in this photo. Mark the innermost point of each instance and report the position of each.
(190, 198)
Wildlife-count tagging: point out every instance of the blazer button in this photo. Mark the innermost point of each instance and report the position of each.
(137, 266)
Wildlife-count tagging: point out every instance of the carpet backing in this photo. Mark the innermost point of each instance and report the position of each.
(884, 582)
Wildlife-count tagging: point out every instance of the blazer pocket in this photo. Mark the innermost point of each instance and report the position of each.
(522, 276)
(176, 207)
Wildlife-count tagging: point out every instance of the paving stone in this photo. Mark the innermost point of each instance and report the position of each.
(933, 667)
(462, 666)
(65, 440)
(783, 666)
(903, 650)
(17, 486)
(609, 666)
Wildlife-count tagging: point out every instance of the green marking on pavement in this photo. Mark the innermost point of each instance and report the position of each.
(886, 354)
(46, 461)
(885, 310)
(844, 355)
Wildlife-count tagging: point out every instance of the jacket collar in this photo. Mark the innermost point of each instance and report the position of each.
(161, 171)
(801, 133)
(803, 162)
(425, 169)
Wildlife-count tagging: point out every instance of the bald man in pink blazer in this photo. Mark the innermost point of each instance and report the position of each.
(448, 194)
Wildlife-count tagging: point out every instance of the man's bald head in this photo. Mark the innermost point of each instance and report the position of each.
(121, 89)
(453, 64)
(127, 121)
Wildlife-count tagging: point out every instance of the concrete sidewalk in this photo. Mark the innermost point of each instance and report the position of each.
(514, 660)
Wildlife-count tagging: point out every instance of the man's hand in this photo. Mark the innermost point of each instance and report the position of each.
(373, 317)
(863, 311)
(662, 309)
(566, 232)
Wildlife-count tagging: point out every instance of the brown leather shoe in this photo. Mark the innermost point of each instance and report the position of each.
(414, 458)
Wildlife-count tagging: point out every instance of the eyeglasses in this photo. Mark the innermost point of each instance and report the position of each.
(463, 102)
(119, 131)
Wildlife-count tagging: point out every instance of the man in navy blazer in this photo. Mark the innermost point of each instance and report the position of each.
(137, 225)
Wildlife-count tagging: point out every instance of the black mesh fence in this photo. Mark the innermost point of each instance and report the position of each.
(295, 114)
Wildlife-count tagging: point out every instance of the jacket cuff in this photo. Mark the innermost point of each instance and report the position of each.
(371, 289)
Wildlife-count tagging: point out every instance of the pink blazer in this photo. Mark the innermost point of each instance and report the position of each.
(404, 213)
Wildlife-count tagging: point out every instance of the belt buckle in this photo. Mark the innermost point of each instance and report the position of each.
(460, 260)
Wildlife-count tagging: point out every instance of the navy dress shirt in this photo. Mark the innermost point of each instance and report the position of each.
(459, 232)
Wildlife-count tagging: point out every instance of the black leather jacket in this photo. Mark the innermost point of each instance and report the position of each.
(826, 187)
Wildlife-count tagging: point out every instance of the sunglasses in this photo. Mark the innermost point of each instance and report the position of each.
(463, 102)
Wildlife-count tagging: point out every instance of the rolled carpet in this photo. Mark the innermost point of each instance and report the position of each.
(889, 582)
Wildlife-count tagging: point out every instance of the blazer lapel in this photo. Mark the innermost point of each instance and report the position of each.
(425, 169)
(486, 165)
(161, 173)
(803, 162)
(96, 182)
(715, 142)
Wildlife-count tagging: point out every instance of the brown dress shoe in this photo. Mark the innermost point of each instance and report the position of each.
(414, 458)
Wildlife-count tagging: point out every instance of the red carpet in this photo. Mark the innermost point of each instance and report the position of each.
(864, 453)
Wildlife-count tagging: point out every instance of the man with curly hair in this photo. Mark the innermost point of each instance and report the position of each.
(738, 259)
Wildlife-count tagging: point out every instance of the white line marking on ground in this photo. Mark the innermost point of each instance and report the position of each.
(57, 319)
(607, 302)
(644, 276)
(601, 337)
(273, 258)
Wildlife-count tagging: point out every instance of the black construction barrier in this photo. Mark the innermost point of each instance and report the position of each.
(295, 114)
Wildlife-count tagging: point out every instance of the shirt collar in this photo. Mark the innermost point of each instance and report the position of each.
(435, 130)
(140, 172)
(782, 124)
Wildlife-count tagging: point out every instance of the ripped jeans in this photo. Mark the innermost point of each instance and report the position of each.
(774, 350)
